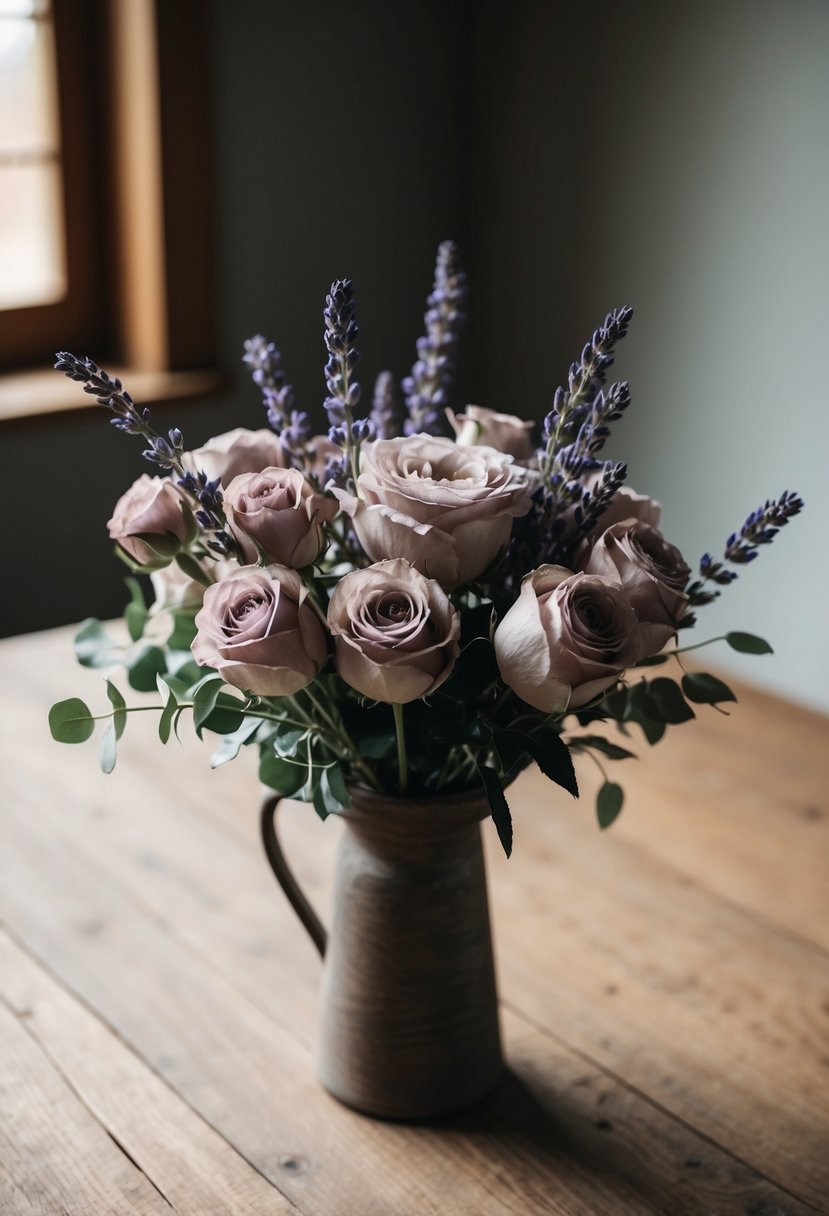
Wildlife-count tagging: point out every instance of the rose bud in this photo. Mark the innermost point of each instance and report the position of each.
(566, 639)
(152, 521)
(396, 632)
(258, 632)
(447, 509)
(505, 432)
(279, 510)
(652, 573)
(238, 451)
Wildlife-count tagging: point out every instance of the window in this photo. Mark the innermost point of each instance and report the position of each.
(105, 183)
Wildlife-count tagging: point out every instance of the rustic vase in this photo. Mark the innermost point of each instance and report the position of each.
(409, 1020)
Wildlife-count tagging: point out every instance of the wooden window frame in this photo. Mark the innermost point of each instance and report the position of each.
(133, 92)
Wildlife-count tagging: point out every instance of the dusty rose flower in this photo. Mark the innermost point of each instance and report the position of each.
(279, 510)
(258, 632)
(566, 639)
(627, 504)
(152, 521)
(505, 432)
(447, 509)
(238, 451)
(173, 589)
(396, 632)
(652, 573)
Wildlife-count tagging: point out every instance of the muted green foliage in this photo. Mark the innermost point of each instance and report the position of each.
(71, 721)
(609, 802)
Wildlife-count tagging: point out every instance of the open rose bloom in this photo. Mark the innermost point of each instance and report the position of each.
(418, 597)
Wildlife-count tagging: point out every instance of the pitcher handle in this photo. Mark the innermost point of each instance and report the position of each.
(285, 876)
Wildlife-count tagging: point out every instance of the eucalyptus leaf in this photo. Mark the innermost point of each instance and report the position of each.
(94, 647)
(653, 660)
(232, 744)
(748, 643)
(165, 722)
(192, 569)
(705, 689)
(119, 706)
(135, 613)
(71, 721)
(609, 802)
(286, 742)
(281, 775)
(333, 789)
(143, 669)
(108, 748)
(183, 632)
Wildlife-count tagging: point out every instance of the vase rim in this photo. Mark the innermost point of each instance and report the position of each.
(429, 812)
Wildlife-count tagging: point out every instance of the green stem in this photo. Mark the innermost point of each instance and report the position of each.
(343, 736)
(402, 761)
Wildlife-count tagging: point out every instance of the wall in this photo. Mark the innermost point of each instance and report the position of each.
(585, 156)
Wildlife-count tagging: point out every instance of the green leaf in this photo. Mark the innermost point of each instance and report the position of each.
(165, 722)
(318, 799)
(337, 788)
(94, 648)
(135, 613)
(664, 702)
(281, 775)
(599, 744)
(286, 742)
(498, 805)
(231, 745)
(108, 748)
(748, 643)
(653, 660)
(192, 569)
(71, 721)
(119, 705)
(148, 663)
(183, 631)
(609, 803)
(205, 696)
(705, 689)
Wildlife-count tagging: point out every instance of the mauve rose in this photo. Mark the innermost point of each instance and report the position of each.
(255, 628)
(447, 509)
(279, 510)
(627, 504)
(396, 632)
(238, 451)
(566, 639)
(651, 572)
(152, 521)
(505, 432)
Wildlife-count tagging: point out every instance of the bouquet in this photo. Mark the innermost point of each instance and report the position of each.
(419, 601)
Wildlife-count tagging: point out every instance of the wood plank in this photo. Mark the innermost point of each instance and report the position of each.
(196, 1171)
(721, 1019)
(739, 804)
(559, 1136)
(54, 1156)
(243, 1073)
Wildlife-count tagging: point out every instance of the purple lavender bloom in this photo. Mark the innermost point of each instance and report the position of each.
(427, 389)
(742, 547)
(385, 410)
(340, 334)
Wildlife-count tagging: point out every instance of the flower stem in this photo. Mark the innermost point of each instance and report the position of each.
(402, 761)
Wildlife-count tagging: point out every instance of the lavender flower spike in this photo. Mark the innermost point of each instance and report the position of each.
(340, 336)
(384, 407)
(427, 388)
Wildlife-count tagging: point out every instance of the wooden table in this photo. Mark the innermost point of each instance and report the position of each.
(665, 987)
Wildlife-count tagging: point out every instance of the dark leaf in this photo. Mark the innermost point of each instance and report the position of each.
(281, 775)
(145, 667)
(552, 755)
(705, 689)
(205, 696)
(600, 744)
(653, 660)
(609, 803)
(665, 702)
(748, 643)
(498, 805)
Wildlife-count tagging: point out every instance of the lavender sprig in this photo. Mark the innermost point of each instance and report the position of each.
(291, 425)
(742, 547)
(340, 335)
(426, 390)
(164, 452)
(385, 409)
(584, 380)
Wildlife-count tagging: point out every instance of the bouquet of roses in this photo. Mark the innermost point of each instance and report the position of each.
(419, 602)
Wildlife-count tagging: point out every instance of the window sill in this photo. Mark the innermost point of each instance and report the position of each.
(36, 394)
